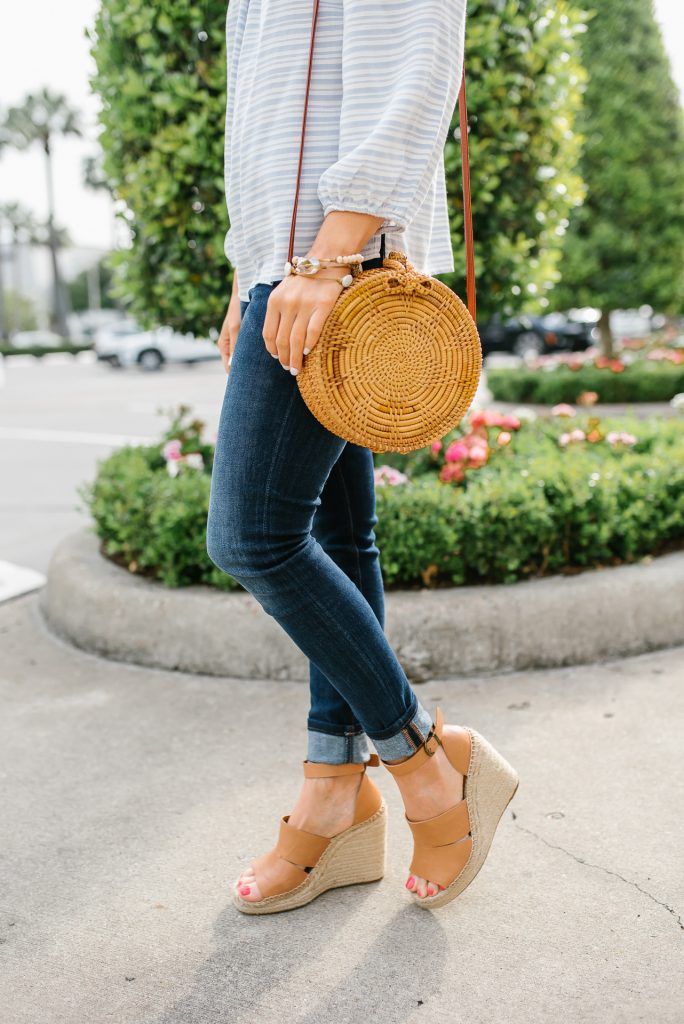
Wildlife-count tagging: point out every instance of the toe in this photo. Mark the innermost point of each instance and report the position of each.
(421, 887)
(250, 892)
(246, 878)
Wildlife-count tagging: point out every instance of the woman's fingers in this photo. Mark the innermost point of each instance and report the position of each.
(314, 329)
(295, 316)
(298, 336)
(228, 335)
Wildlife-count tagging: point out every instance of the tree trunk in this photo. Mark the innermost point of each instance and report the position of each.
(606, 339)
(59, 307)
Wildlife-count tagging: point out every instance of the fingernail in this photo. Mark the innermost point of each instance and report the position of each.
(294, 371)
(306, 351)
(286, 367)
(230, 360)
(245, 890)
(411, 883)
(274, 354)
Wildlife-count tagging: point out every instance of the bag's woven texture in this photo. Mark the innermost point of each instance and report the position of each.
(398, 361)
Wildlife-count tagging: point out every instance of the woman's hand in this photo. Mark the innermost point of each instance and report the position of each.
(296, 312)
(231, 326)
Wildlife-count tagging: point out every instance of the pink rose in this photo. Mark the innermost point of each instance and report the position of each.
(172, 450)
(563, 409)
(456, 452)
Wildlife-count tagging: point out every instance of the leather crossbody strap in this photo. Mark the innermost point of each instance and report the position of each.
(465, 164)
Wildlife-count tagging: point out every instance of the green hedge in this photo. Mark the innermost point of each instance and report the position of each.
(642, 381)
(43, 350)
(534, 509)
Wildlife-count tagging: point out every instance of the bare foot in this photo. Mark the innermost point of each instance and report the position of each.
(434, 788)
(325, 807)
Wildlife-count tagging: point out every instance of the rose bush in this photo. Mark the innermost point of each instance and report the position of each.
(501, 498)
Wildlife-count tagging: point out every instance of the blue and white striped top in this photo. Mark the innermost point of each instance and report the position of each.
(384, 86)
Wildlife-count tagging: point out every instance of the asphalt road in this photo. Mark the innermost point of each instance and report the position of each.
(58, 417)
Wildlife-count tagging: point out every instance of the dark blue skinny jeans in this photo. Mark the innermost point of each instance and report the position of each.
(291, 518)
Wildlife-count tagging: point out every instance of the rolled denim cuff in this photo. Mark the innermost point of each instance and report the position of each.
(329, 749)
(408, 739)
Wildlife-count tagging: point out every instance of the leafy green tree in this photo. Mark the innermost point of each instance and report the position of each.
(161, 77)
(625, 245)
(524, 87)
(40, 118)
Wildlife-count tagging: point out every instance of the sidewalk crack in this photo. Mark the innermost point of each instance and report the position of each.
(608, 871)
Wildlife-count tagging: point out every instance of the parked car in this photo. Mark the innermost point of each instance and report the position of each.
(537, 335)
(125, 344)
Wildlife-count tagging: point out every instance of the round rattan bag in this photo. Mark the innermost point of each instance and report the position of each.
(397, 363)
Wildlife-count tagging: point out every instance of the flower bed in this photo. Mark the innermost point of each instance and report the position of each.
(640, 372)
(501, 498)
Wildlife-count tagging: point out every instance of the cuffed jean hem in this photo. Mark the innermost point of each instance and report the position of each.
(328, 749)
(408, 739)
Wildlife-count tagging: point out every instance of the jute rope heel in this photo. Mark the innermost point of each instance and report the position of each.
(352, 857)
(451, 847)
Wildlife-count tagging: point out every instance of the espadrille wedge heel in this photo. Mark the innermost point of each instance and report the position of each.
(451, 847)
(303, 865)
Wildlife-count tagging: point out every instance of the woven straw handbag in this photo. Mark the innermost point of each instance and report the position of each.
(398, 361)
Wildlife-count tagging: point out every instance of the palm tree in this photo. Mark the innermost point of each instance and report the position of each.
(39, 119)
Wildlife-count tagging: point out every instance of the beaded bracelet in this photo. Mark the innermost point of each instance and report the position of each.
(309, 265)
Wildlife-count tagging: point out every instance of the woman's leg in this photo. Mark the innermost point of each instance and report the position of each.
(272, 461)
(273, 464)
(343, 526)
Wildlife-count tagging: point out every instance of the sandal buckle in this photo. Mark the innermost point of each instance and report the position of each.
(431, 736)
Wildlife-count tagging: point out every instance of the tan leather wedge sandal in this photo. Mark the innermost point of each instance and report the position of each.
(451, 847)
(353, 856)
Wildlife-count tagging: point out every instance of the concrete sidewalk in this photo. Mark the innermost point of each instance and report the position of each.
(131, 797)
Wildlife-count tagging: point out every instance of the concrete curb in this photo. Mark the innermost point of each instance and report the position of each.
(559, 620)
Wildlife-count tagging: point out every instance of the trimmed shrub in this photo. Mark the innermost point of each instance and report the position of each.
(642, 381)
(533, 509)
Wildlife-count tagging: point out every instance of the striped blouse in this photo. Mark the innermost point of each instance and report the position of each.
(384, 86)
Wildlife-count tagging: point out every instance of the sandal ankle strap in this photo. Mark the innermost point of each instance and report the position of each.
(427, 749)
(319, 770)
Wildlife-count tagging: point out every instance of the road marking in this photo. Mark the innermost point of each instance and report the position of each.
(72, 437)
(17, 579)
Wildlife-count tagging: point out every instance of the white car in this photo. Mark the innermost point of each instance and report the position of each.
(125, 344)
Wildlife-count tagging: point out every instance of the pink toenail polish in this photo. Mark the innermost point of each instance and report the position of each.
(411, 883)
(245, 890)
(431, 890)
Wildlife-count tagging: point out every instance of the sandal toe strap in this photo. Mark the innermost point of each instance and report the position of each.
(298, 846)
(276, 876)
(448, 827)
(442, 844)
(278, 871)
(441, 864)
